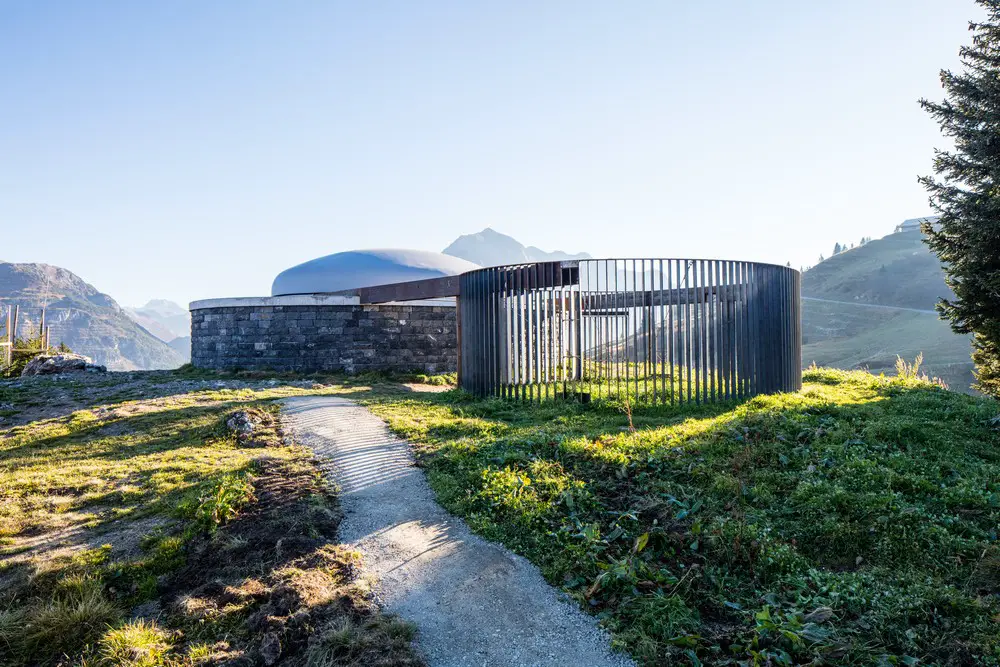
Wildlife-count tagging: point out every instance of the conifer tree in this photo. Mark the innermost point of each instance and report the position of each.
(836, 248)
(966, 193)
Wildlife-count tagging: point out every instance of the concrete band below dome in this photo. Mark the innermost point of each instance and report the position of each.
(289, 300)
(311, 333)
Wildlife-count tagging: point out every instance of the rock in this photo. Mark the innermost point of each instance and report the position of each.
(55, 364)
(241, 423)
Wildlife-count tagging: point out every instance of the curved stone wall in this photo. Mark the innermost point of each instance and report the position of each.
(310, 333)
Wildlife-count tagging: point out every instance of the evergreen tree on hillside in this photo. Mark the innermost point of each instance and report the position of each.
(836, 248)
(966, 193)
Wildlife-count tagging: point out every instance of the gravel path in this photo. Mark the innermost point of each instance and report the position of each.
(474, 602)
(860, 304)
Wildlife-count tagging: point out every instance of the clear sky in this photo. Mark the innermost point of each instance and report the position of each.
(189, 149)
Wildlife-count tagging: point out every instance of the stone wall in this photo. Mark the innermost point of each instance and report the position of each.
(313, 333)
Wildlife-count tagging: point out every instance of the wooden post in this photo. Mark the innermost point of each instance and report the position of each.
(9, 349)
(13, 333)
(41, 331)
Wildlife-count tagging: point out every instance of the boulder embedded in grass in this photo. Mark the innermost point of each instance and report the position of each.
(54, 364)
(252, 427)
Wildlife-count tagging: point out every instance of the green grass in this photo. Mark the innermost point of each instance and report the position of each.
(852, 523)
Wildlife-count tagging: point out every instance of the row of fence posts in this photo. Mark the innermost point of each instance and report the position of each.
(7, 346)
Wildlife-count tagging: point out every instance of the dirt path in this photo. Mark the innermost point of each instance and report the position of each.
(870, 305)
(474, 602)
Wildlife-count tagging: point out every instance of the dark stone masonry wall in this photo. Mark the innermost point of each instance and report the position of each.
(347, 338)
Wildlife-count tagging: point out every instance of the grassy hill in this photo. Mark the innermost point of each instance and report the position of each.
(897, 270)
(866, 305)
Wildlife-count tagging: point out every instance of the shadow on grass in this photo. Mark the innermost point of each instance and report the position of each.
(884, 491)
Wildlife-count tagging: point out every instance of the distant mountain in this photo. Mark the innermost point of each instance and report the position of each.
(864, 306)
(491, 248)
(182, 346)
(83, 318)
(164, 319)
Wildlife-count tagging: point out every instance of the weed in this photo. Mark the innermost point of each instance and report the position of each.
(73, 618)
(134, 644)
(221, 502)
(909, 371)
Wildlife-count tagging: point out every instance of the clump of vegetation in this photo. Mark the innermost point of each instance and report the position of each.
(138, 643)
(221, 501)
(852, 523)
(374, 642)
(75, 614)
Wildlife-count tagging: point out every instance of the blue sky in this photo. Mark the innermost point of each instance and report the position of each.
(187, 150)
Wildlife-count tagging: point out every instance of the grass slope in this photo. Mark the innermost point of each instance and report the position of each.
(138, 529)
(852, 523)
(899, 271)
(849, 336)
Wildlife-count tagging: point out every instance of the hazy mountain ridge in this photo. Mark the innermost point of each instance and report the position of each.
(164, 319)
(491, 248)
(85, 319)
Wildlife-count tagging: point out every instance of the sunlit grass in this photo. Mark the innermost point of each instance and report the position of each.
(852, 522)
(103, 508)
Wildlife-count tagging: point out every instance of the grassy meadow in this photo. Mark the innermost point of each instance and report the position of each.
(852, 523)
(138, 529)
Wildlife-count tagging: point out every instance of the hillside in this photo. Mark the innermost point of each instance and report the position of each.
(866, 305)
(897, 270)
(182, 345)
(491, 248)
(83, 318)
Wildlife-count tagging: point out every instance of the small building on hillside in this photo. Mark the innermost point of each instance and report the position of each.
(913, 224)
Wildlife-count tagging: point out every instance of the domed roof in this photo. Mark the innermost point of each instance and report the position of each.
(365, 268)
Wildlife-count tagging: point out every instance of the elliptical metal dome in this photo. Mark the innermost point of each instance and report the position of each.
(366, 268)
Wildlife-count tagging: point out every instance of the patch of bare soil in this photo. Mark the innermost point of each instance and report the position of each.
(124, 536)
(273, 587)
